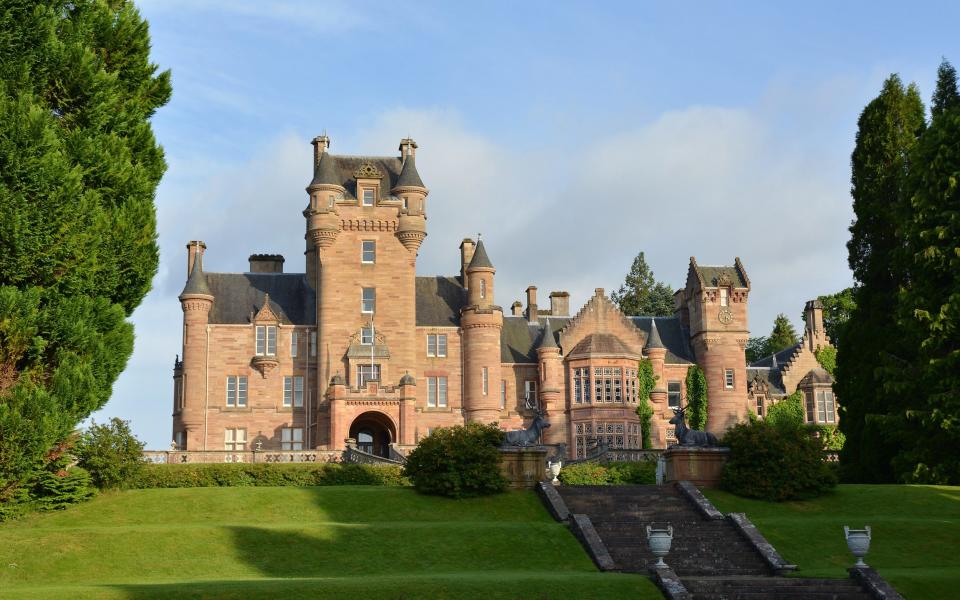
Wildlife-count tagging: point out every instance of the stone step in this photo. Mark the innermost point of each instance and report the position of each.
(754, 588)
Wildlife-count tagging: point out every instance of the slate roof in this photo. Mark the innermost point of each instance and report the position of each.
(653, 340)
(439, 300)
(770, 376)
(389, 167)
(817, 375)
(711, 274)
(409, 175)
(197, 282)
(673, 335)
(519, 339)
(327, 171)
(782, 357)
(480, 258)
(601, 343)
(237, 295)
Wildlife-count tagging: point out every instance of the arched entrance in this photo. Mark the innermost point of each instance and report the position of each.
(374, 431)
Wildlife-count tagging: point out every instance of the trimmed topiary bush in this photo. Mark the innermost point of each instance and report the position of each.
(775, 463)
(613, 473)
(459, 461)
(246, 474)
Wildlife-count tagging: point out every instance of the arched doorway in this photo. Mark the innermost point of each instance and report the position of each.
(374, 431)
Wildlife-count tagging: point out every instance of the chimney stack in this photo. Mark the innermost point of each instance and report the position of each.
(559, 304)
(813, 316)
(517, 309)
(466, 255)
(320, 145)
(532, 304)
(194, 248)
(266, 263)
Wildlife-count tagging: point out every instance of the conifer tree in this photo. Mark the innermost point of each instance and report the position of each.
(888, 130)
(642, 294)
(782, 336)
(79, 166)
(945, 97)
(696, 398)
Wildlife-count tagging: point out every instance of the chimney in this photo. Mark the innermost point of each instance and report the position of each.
(813, 316)
(193, 248)
(559, 304)
(517, 309)
(466, 255)
(532, 304)
(408, 147)
(320, 145)
(266, 263)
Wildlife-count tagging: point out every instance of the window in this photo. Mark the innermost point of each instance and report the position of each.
(728, 379)
(368, 300)
(673, 394)
(577, 377)
(759, 406)
(617, 392)
(367, 373)
(330, 200)
(485, 380)
(293, 391)
(405, 202)
(530, 391)
(826, 412)
(368, 251)
(237, 390)
(366, 336)
(437, 344)
(367, 197)
(503, 394)
(234, 439)
(483, 288)
(180, 439)
(291, 438)
(436, 392)
(598, 385)
(266, 340)
(810, 407)
(294, 343)
(313, 343)
(724, 297)
(178, 393)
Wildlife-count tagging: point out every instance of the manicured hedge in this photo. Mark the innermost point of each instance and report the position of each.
(246, 474)
(612, 473)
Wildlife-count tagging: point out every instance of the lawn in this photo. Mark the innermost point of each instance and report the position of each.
(916, 533)
(330, 542)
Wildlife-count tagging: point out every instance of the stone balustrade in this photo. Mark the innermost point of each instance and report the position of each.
(176, 457)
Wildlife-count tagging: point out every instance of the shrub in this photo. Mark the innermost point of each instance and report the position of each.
(261, 474)
(614, 473)
(787, 413)
(57, 487)
(775, 463)
(696, 398)
(831, 438)
(459, 461)
(110, 452)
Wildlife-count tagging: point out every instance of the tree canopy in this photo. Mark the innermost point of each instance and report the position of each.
(642, 294)
(79, 167)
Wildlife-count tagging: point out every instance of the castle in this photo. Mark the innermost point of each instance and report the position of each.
(359, 346)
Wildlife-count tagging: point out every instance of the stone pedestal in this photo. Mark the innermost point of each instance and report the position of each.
(700, 466)
(523, 467)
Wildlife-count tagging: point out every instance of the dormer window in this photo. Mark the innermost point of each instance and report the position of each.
(724, 297)
(366, 336)
(368, 197)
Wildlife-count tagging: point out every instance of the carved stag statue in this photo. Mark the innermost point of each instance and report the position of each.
(687, 436)
(529, 436)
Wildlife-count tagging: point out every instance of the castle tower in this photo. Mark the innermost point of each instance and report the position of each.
(412, 193)
(656, 353)
(481, 321)
(551, 386)
(716, 301)
(196, 300)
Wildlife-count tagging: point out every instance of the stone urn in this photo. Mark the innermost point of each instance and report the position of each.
(554, 468)
(858, 540)
(659, 541)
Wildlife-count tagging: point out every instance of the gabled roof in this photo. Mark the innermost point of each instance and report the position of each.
(781, 358)
(242, 295)
(769, 376)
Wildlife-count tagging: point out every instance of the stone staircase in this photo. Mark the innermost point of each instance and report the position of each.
(712, 557)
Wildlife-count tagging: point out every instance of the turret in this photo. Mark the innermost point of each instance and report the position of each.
(412, 193)
(551, 385)
(326, 187)
(481, 321)
(196, 300)
(656, 353)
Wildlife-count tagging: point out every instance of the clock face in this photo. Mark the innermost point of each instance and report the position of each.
(725, 316)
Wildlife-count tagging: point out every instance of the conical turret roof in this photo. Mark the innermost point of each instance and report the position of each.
(327, 172)
(548, 341)
(197, 282)
(654, 340)
(408, 175)
(480, 258)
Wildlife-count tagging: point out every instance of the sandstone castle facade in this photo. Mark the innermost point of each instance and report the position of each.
(359, 346)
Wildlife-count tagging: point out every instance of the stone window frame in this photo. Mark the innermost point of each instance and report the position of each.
(364, 251)
(434, 345)
(292, 396)
(729, 379)
(503, 394)
(180, 439)
(313, 343)
(364, 300)
(288, 438)
(724, 296)
(485, 380)
(366, 336)
(265, 344)
(483, 288)
(375, 370)
(761, 405)
(234, 396)
(231, 439)
(592, 379)
(437, 394)
(678, 393)
(372, 191)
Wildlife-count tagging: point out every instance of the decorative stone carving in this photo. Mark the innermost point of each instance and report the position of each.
(265, 364)
(367, 171)
(725, 316)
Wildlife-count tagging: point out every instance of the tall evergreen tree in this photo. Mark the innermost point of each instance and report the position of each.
(79, 166)
(888, 130)
(930, 305)
(945, 97)
(782, 336)
(836, 312)
(641, 294)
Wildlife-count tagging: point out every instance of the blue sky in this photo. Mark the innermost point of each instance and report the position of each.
(573, 135)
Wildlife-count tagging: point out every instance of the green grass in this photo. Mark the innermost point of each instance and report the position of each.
(330, 542)
(916, 533)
